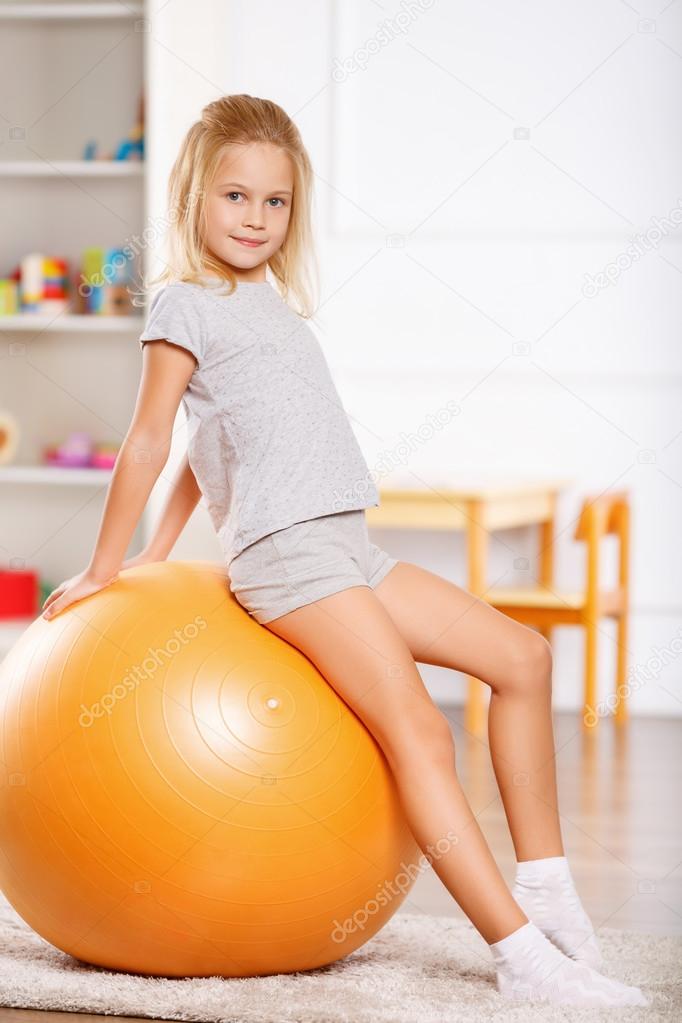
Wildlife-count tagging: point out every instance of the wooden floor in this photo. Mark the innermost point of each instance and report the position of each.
(619, 799)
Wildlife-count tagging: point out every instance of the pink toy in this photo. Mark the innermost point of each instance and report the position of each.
(79, 451)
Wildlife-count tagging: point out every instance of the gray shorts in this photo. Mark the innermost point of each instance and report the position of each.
(305, 562)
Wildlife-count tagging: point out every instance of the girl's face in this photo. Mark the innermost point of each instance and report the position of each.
(250, 199)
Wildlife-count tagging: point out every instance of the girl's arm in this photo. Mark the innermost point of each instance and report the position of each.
(166, 370)
(180, 504)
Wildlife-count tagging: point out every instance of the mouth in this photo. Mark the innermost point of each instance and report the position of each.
(249, 242)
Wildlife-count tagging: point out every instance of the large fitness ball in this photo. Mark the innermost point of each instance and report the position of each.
(183, 794)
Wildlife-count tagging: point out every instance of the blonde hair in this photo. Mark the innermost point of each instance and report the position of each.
(239, 120)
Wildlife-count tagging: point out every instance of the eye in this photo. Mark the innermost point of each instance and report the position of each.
(277, 200)
(232, 193)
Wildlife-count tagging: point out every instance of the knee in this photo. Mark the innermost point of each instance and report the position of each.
(426, 736)
(528, 666)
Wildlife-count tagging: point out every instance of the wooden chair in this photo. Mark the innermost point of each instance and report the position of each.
(545, 606)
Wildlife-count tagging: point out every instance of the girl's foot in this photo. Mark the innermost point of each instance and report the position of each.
(545, 891)
(530, 968)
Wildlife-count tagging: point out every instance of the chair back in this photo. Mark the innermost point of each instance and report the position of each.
(601, 515)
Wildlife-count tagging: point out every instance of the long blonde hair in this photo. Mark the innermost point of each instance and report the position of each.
(239, 119)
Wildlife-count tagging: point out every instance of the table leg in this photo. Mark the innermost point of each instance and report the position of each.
(546, 558)
(477, 551)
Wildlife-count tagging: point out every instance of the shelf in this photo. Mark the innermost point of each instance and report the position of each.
(68, 322)
(54, 474)
(59, 204)
(71, 168)
(32, 11)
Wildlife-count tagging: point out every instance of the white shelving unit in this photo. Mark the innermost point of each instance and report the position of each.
(58, 11)
(55, 474)
(69, 322)
(73, 73)
(71, 168)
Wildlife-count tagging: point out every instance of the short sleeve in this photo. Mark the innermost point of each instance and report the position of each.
(175, 314)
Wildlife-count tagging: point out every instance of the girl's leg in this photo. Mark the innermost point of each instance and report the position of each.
(445, 625)
(352, 640)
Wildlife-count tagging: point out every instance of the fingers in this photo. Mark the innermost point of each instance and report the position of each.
(70, 591)
(54, 609)
(53, 596)
(53, 605)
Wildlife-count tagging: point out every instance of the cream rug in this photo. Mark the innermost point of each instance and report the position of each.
(418, 969)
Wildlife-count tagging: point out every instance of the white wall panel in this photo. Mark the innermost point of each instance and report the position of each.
(477, 167)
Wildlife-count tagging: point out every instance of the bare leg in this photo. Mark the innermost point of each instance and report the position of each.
(352, 640)
(444, 624)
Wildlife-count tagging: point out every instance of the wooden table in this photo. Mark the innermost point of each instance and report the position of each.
(478, 509)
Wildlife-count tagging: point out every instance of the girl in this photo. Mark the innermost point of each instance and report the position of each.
(285, 483)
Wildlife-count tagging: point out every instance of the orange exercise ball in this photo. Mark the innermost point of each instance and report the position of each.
(184, 795)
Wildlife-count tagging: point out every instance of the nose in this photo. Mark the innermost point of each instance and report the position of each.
(253, 216)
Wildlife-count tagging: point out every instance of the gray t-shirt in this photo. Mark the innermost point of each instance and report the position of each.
(269, 441)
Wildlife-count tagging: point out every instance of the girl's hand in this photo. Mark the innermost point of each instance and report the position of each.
(143, 558)
(75, 588)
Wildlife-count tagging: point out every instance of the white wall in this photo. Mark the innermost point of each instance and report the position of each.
(475, 166)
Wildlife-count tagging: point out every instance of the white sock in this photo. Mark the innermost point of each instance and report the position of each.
(545, 891)
(530, 968)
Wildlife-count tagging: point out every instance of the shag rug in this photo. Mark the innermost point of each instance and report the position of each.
(418, 969)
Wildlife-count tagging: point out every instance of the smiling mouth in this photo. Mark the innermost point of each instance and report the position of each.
(247, 241)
